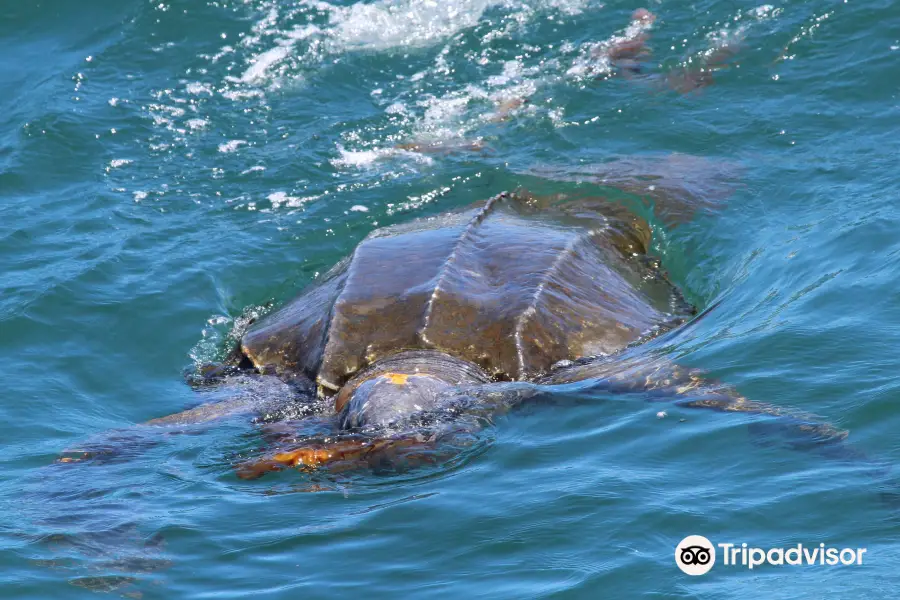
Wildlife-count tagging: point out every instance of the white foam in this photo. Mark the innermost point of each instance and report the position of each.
(568, 7)
(764, 11)
(374, 26)
(281, 198)
(356, 158)
(276, 49)
(301, 33)
(359, 208)
(512, 69)
(397, 108)
(367, 158)
(242, 94)
(261, 65)
(231, 146)
(394, 23)
(197, 88)
(378, 25)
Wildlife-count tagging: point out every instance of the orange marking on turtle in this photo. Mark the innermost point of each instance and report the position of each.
(397, 378)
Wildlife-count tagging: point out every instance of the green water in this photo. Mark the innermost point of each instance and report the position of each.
(169, 168)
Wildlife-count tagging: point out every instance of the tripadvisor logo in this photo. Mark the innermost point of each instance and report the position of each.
(696, 555)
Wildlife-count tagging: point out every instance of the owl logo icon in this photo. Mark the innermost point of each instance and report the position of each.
(695, 555)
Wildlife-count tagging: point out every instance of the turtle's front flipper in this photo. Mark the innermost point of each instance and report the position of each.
(660, 378)
(243, 393)
(663, 380)
(264, 397)
(121, 444)
(205, 413)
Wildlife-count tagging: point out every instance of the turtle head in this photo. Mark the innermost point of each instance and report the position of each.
(401, 385)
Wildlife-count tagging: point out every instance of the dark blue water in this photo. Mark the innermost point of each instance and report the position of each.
(170, 168)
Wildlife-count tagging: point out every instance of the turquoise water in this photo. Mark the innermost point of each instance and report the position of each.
(170, 168)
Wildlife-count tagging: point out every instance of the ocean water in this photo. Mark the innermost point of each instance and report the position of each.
(168, 169)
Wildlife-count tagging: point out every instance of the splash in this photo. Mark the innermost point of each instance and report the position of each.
(405, 23)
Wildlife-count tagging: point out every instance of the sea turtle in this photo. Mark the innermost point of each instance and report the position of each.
(430, 327)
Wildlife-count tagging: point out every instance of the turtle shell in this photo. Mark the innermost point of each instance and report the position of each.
(513, 285)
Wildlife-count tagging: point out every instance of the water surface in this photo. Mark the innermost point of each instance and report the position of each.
(170, 168)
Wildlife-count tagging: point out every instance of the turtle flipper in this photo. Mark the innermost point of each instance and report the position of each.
(123, 444)
(791, 429)
(205, 413)
(664, 380)
(264, 396)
